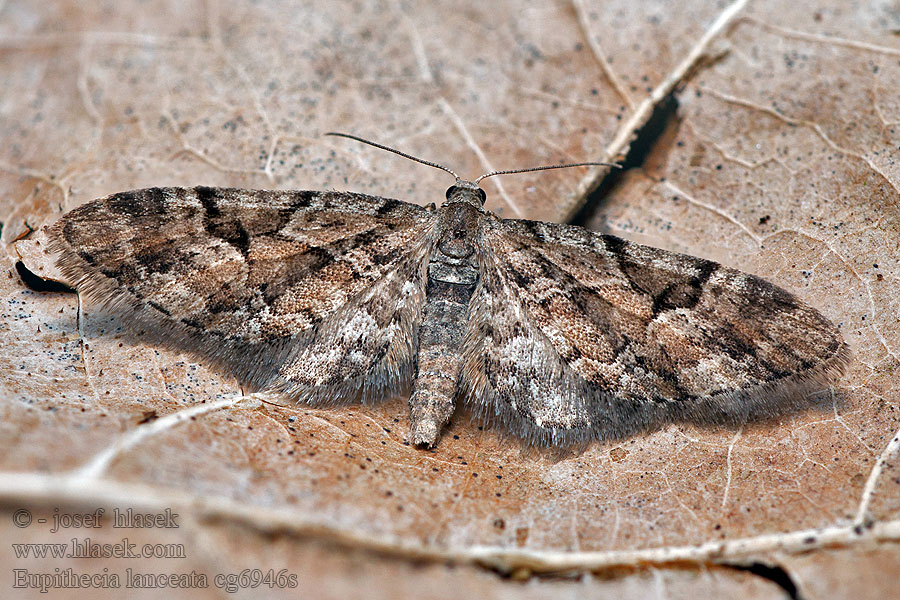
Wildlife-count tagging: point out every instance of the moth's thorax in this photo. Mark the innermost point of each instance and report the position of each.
(459, 226)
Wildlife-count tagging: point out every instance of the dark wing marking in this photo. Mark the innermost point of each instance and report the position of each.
(577, 335)
(249, 278)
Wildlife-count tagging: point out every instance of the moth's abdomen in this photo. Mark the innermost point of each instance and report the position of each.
(452, 277)
(450, 287)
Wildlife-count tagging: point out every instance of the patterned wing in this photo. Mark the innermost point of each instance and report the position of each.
(254, 280)
(577, 335)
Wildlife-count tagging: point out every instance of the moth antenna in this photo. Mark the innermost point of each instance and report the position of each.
(389, 149)
(545, 168)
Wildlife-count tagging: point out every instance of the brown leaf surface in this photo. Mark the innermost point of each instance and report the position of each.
(781, 159)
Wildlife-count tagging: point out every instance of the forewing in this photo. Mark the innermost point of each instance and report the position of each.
(243, 277)
(366, 347)
(577, 335)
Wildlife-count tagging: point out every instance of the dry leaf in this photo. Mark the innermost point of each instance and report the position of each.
(780, 159)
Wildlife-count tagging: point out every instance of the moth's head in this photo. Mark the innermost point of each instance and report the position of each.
(468, 191)
(465, 191)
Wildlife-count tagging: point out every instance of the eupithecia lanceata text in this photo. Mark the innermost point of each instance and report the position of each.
(557, 334)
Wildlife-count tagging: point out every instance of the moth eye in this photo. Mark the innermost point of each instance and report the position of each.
(482, 195)
(450, 190)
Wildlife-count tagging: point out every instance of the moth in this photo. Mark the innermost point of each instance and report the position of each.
(556, 334)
